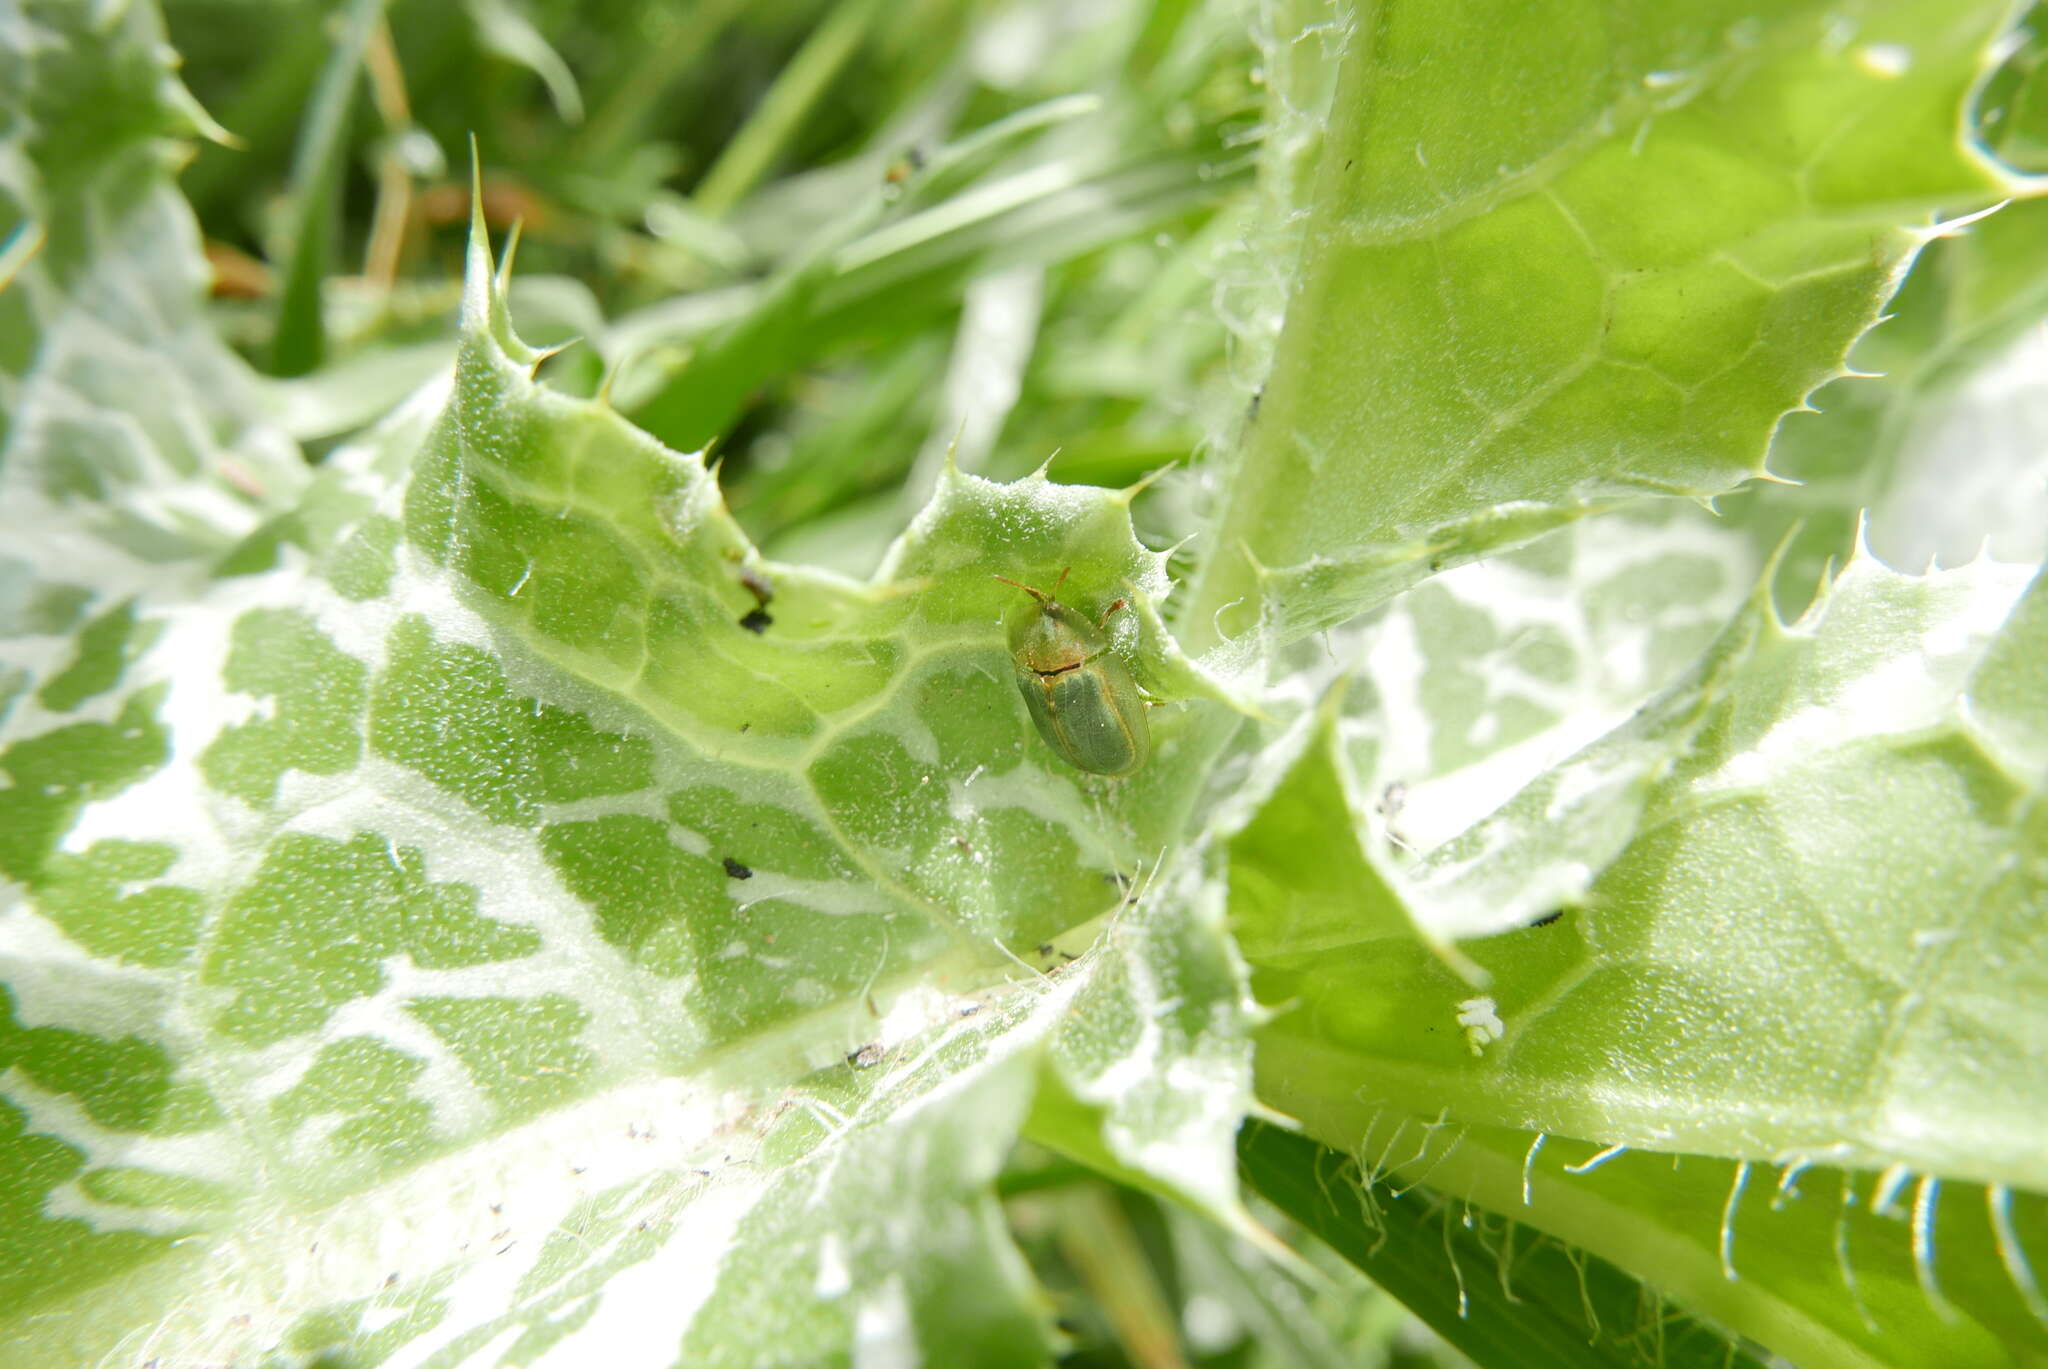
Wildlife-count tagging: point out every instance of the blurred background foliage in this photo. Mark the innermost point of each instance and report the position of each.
(832, 238)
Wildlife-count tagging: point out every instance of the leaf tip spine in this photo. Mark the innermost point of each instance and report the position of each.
(478, 294)
(1144, 482)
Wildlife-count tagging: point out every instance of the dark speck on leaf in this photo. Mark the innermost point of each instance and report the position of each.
(1548, 918)
(756, 620)
(737, 870)
(867, 1057)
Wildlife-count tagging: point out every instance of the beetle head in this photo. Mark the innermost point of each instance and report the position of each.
(1055, 637)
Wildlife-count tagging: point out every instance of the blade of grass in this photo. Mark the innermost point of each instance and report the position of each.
(908, 270)
(508, 33)
(675, 37)
(992, 348)
(1096, 1238)
(393, 209)
(855, 448)
(300, 341)
(1507, 1299)
(1029, 217)
(958, 163)
(753, 150)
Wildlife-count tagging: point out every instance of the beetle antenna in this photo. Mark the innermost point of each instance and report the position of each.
(1015, 585)
(1121, 603)
(1062, 580)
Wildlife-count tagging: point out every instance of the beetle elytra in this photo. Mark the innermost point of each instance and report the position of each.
(1077, 690)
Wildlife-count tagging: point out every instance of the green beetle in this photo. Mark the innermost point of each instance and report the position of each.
(1077, 689)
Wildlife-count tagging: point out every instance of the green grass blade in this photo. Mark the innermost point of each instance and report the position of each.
(678, 36)
(1508, 1300)
(300, 343)
(752, 152)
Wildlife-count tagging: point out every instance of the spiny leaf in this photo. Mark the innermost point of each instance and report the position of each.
(1730, 984)
(500, 777)
(1505, 323)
